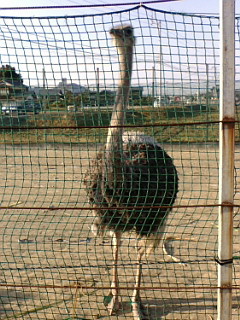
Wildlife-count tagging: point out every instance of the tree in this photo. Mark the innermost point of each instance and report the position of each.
(9, 73)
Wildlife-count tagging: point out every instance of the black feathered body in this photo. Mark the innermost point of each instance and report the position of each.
(149, 181)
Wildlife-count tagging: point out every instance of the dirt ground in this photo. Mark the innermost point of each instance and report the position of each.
(52, 266)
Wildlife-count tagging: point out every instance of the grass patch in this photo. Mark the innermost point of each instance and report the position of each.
(85, 126)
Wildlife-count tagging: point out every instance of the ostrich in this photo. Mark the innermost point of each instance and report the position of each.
(131, 184)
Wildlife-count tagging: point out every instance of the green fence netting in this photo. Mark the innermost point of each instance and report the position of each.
(58, 84)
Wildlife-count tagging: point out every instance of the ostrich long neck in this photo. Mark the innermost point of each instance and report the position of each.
(113, 149)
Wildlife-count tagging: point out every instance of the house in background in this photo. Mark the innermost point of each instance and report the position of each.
(16, 98)
(12, 89)
(59, 91)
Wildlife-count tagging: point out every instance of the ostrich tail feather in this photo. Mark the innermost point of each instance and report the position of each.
(147, 244)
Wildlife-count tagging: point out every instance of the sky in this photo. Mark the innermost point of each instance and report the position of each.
(187, 6)
(66, 57)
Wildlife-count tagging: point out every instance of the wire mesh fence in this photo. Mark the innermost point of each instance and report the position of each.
(58, 84)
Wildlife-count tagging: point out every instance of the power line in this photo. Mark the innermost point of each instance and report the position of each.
(97, 10)
(87, 5)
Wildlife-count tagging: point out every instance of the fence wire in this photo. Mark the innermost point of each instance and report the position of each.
(58, 84)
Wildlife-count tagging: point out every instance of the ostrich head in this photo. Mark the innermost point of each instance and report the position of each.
(123, 36)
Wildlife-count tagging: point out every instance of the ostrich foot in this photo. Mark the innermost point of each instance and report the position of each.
(138, 310)
(112, 303)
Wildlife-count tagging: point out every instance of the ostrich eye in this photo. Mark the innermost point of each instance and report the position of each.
(128, 32)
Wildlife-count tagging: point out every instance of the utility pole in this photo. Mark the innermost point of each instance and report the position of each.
(98, 88)
(158, 23)
(44, 97)
(153, 85)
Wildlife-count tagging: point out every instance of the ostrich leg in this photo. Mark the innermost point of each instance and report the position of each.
(113, 305)
(137, 307)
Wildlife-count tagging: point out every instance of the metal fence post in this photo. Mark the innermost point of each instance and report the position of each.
(226, 154)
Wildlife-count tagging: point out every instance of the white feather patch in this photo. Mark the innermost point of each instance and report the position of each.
(133, 137)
